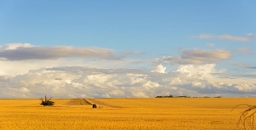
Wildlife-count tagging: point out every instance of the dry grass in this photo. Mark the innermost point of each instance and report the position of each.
(118, 114)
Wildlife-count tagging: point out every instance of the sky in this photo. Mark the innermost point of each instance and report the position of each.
(128, 48)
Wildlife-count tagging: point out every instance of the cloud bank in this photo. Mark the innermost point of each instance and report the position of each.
(196, 57)
(29, 52)
(32, 71)
(196, 80)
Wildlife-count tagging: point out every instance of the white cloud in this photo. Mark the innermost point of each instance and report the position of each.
(13, 46)
(234, 38)
(197, 69)
(117, 93)
(224, 37)
(203, 36)
(140, 94)
(24, 90)
(198, 84)
(160, 69)
(191, 80)
(150, 85)
(251, 35)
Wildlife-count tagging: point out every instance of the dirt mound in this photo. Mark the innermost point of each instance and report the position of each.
(78, 101)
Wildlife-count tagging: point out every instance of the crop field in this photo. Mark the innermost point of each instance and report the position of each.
(123, 114)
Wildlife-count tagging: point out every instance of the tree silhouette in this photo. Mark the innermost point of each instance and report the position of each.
(46, 101)
(246, 118)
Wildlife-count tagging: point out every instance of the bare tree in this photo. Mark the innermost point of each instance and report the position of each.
(246, 118)
(46, 101)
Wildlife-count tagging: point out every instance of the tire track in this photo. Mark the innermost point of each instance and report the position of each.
(99, 103)
(78, 101)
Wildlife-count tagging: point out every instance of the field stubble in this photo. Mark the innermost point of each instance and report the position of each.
(126, 113)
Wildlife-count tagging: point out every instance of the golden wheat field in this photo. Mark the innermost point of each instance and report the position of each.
(123, 114)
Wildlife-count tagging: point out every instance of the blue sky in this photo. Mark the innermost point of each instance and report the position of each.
(165, 37)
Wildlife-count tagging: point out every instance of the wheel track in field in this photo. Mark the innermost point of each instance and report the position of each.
(99, 103)
(78, 101)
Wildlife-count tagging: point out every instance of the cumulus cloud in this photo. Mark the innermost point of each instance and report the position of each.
(206, 79)
(82, 81)
(196, 57)
(191, 80)
(160, 69)
(198, 84)
(4, 78)
(223, 37)
(24, 90)
(28, 52)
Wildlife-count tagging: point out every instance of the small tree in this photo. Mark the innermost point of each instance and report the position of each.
(46, 101)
